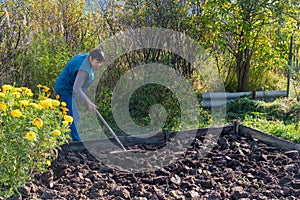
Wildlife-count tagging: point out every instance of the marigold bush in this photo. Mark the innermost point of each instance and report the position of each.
(31, 131)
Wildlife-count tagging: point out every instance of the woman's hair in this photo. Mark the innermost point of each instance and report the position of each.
(97, 54)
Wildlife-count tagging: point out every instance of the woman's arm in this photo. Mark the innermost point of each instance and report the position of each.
(77, 88)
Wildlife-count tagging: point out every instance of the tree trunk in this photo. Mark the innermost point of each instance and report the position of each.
(243, 68)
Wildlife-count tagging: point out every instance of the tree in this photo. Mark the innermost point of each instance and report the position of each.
(245, 27)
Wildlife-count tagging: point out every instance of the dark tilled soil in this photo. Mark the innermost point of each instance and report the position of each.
(236, 168)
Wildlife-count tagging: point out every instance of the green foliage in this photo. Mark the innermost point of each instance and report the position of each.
(44, 63)
(30, 134)
(275, 127)
(282, 109)
(239, 108)
(140, 103)
(152, 94)
(286, 110)
(280, 117)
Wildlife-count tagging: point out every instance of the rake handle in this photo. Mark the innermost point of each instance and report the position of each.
(109, 129)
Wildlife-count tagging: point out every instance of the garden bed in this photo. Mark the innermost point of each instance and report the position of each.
(238, 166)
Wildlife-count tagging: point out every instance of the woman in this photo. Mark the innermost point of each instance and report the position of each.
(74, 80)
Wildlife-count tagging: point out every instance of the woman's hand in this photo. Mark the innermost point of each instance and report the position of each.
(91, 105)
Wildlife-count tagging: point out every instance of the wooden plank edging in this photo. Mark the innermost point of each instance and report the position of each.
(268, 138)
(133, 140)
(163, 136)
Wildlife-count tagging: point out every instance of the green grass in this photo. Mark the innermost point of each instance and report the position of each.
(279, 118)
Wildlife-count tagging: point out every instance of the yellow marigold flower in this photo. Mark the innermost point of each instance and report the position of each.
(6, 88)
(39, 86)
(36, 106)
(47, 103)
(38, 122)
(45, 89)
(68, 118)
(57, 96)
(3, 106)
(24, 102)
(64, 109)
(56, 132)
(16, 113)
(63, 104)
(28, 92)
(17, 94)
(55, 102)
(24, 88)
(2, 94)
(30, 136)
(48, 162)
(17, 90)
(65, 123)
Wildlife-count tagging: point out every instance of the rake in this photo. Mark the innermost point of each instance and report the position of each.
(115, 136)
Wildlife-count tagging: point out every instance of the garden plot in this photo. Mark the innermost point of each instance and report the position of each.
(238, 166)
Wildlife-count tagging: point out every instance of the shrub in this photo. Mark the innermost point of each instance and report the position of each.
(31, 131)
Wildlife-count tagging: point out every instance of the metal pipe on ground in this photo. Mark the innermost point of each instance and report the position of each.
(218, 99)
